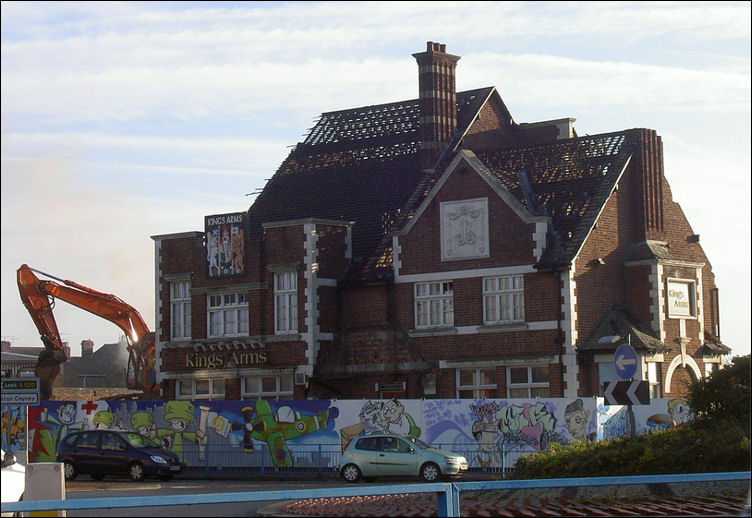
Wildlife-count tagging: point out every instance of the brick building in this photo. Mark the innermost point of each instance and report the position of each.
(437, 248)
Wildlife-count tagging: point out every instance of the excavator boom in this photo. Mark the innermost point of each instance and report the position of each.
(39, 296)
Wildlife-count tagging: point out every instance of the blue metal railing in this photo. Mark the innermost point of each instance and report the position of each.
(447, 494)
(324, 459)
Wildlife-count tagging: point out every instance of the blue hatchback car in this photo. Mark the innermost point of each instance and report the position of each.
(115, 452)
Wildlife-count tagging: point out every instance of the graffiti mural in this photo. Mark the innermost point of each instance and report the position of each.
(380, 416)
(264, 434)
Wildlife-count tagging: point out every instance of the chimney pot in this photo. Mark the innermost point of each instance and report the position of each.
(429, 46)
(442, 48)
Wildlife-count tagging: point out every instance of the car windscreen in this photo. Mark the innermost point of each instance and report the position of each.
(139, 441)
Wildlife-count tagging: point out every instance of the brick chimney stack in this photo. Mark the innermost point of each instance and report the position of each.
(87, 348)
(437, 95)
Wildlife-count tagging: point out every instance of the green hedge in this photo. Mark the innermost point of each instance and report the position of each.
(677, 450)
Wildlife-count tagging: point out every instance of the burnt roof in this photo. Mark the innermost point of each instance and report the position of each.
(569, 181)
(356, 165)
(361, 165)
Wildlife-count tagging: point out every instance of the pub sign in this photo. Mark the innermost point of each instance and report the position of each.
(225, 244)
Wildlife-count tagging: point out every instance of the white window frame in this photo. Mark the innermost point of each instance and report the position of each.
(434, 304)
(532, 388)
(654, 379)
(180, 310)
(226, 314)
(479, 389)
(193, 388)
(284, 386)
(503, 299)
(286, 302)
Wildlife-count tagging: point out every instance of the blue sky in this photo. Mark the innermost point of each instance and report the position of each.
(123, 120)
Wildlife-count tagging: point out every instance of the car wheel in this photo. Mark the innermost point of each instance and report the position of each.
(351, 473)
(70, 470)
(430, 472)
(97, 476)
(136, 471)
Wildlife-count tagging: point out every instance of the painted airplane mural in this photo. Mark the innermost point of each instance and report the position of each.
(276, 428)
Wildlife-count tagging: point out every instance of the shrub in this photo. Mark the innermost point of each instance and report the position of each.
(677, 450)
(724, 396)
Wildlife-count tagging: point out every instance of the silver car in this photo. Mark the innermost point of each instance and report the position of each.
(387, 455)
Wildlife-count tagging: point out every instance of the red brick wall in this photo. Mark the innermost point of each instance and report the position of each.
(637, 288)
(599, 286)
(365, 305)
(331, 245)
(511, 239)
(492, 127)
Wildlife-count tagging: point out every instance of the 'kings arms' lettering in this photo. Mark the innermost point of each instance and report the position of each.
(221, 360)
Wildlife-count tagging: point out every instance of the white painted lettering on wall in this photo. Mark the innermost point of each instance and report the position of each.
(222, 220)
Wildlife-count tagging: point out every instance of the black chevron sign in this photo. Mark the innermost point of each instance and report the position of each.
(627, 393)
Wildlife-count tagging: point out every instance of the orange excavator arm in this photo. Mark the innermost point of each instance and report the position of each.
(39, 298)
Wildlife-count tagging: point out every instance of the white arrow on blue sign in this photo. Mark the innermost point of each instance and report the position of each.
(625, 361)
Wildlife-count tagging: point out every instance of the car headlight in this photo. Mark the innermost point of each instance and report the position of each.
(158, 460)
(451, 460)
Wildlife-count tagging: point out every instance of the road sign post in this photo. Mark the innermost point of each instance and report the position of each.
(20, 391)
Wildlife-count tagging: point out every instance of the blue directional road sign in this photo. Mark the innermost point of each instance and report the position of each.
(625, 361)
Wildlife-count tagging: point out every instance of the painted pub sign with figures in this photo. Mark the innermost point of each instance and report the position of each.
(225, 244)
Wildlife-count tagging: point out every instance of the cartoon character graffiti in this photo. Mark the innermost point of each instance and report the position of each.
(577, 419)
(489, 453)
(180, 414)
(66, 414)
(679, 411)
(388, 416)
(143, 423)
(105, 419)
(276, 428)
